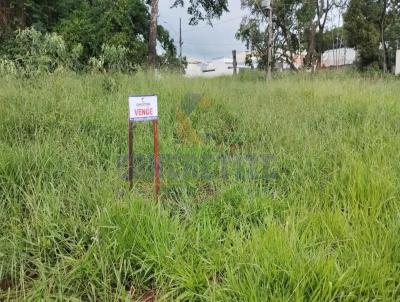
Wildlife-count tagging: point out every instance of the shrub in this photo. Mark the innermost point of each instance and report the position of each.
(96, 64)
(112, 58)
(115, 57)
(75, 55)
(31, 52)
(7, 67)
(36, 52)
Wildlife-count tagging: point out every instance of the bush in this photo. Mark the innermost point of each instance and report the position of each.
(7, 67)
(112, 58)
(31, 52)
(37, 52)
(96, 64)
(74, 61)
(115, 57)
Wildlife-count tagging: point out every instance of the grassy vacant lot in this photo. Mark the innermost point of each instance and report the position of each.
(319, 222)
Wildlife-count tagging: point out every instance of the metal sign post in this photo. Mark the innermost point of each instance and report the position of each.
(130, 154)
(143, 108)
(156, 159)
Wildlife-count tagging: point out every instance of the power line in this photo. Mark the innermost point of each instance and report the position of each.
(214, 44)
(169, 26)
(212, 26)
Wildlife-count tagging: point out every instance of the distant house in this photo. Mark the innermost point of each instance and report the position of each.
(331, 58)
(338, 57)
(224, 66)
(193, 67)
(297, 60)
(214, 67)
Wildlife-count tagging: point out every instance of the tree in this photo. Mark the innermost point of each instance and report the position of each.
(12, 15)
(97, 25)
(255, 39)
(201, 10)
(253, 31)
(288, 30)
(314, 15)
(373, 28)
(382, 25)
(392, 35)
(169, 59)
(297, 24)
(45, 14)
(153, 34)
(362, 31)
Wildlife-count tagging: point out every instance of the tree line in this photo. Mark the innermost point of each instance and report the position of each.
(372, 27)
(102, 34)
(123, 34)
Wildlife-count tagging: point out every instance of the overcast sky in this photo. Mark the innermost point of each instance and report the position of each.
(203, 41)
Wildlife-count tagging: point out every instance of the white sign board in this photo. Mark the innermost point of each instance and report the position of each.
(143, 108)
(266, 4)
(397, 68)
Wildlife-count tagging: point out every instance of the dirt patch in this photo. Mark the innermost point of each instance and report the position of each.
(148, 296)
(6, 283)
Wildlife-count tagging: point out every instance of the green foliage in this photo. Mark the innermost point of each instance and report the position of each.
(115, 31)
(361, 24)
(125, 24)
(203, 9)
(75, 55)
(44, 15)
(298, 26)
(169, 60)
(112, 58)
(33, 52)
(323, 226)
(115, 58)
(334, 38)
(392, 34)
(367, 24)
(37, 50)
(255, 39)
(7, 68)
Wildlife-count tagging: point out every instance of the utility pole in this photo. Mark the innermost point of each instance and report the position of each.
(267, 5)
(234, 62)
(153, 34)
(336, 60)
(269, 76)
(180, 43)
(180, 38)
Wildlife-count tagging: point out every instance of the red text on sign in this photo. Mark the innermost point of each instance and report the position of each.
(143, 111)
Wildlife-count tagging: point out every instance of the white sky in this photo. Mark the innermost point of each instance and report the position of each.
(203, 41)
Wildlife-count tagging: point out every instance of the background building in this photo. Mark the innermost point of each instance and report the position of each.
(338, 57)
(215, 67)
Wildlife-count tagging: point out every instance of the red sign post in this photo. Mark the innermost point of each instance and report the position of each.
(143, 108)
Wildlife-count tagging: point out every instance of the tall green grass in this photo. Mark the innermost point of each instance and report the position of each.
(323, 224)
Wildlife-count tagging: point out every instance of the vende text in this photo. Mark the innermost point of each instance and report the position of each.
(143, 111)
